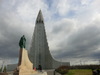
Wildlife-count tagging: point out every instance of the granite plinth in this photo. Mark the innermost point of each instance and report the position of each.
(25, 67)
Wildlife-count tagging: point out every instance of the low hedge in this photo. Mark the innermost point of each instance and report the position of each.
(62, 69)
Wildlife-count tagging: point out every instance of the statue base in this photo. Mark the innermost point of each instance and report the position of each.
(25, 67)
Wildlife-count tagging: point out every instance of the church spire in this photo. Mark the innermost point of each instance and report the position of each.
(40, 17)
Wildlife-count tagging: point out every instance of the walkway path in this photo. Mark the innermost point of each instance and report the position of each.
(51, 72)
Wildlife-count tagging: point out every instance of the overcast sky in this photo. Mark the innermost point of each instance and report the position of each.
(72, 28)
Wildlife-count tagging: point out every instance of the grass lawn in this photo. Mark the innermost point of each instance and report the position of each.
(79, 72)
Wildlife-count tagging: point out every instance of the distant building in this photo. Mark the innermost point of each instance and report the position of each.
(39, 53)
(11, 67)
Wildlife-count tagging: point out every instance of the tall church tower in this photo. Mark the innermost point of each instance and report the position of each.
(39, 53)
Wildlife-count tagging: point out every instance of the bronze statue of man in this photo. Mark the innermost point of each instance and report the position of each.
(22, 42)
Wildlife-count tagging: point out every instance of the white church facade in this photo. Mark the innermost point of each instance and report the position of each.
(39, 53)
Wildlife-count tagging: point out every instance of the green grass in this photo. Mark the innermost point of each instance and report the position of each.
(79, 72)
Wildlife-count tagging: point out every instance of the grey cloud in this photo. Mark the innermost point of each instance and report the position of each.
(11, 29)
(64, 25)
(57, 29)
(81, 44)
(9, 41)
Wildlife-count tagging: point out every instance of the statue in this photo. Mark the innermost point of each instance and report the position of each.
(22, 42)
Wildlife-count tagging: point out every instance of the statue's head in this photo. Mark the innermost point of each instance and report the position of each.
(23, 35)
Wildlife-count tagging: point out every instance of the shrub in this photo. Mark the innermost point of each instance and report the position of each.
(4, 70)
(1, 69)
(62, 69)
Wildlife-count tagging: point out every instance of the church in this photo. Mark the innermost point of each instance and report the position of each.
(39, 52)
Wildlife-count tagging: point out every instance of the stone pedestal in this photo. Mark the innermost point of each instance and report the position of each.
(25, 67)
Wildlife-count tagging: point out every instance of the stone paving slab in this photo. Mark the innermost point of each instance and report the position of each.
(51, 72)
(47, 72)
(38, 73)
